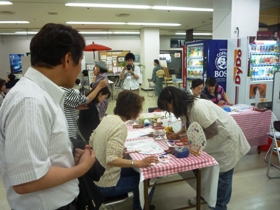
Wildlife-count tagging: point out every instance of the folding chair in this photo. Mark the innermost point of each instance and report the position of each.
(110, 201)
(151, 87)
(275, 135)
(118, 87)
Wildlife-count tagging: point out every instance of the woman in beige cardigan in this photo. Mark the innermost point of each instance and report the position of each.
(108, 143)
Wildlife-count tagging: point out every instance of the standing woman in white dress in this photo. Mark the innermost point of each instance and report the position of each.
(2, 89)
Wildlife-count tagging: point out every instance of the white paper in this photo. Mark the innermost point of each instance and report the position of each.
(148, 146)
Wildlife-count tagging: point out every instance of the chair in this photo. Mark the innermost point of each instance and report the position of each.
(118, 86)
(151, 87)
(110, 201)
(153, 109)
(275, 135)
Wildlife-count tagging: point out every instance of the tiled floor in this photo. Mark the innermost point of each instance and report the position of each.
(251, 187)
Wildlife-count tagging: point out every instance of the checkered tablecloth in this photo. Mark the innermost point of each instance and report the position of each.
(255, 126)
(175, 165)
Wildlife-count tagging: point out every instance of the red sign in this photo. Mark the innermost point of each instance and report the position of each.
(237, 66)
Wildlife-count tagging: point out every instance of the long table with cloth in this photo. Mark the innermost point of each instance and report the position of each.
(255, 125)
(205, 166)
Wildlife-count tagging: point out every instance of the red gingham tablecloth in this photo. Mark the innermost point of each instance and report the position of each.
(175, 165)
(255, 125)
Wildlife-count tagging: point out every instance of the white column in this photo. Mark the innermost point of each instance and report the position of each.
(149, 50)
(231, 16)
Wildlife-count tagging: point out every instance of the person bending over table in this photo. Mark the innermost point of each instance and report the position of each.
(215, 92)
(108, 143)
(225, 139)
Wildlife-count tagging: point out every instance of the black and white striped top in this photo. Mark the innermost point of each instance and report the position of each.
(72, 100)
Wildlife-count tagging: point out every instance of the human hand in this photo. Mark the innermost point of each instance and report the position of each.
(103, 83)
(82, 107)
(86, 158)
(172, 135)
(148, 161)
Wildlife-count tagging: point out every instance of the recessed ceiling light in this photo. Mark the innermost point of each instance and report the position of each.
(7, 13)
(5, 3)
(11, 22)
(96, 23)
(154, 24)
(119, 6)
(182, 8)
(52, 13)
(123, 15)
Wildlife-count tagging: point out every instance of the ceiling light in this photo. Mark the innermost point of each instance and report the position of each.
(126, 32)
(17, 22)
(96, 23)
(182, 8)
(154, 24)
(5, 3)
(95, 32)
(26, 32)
(119, 6)
(196, 34)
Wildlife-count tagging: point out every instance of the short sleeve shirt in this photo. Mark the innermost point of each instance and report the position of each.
(33, 138)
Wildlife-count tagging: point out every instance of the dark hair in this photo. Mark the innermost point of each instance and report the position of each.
(129, 56)
(85, 73)
(180, 100)
(128, 105)
(103, 91)
(156, 61)
(49, 46)
(196, 83)
(212, 82)
(2, 82)
(77, 81)
(12, 77)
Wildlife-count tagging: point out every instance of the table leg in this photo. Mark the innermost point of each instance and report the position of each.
(198, 190)
(146, 194)
(112, 91)
(259, 149)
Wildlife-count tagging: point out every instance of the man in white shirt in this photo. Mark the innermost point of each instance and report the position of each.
(36, 162)
(130, 74)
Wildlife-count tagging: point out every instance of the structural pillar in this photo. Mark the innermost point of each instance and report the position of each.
(149, 50)
(235, 18)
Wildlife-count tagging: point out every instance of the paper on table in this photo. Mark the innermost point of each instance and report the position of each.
(147, 146)
(139, 133)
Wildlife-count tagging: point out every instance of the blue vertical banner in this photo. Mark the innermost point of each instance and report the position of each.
(217, 62)
(15, 63)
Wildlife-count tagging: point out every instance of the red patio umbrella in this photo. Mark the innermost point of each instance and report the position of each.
(96, 47)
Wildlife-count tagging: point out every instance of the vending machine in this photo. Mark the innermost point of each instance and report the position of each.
(251, 69)
(206, 59)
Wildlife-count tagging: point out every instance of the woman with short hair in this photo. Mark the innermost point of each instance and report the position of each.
(108, 144)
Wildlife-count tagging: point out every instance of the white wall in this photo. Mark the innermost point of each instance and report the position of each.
(20, 45)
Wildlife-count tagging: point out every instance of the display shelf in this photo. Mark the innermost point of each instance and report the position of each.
(195, 57)
(265, 53)
(190, 77)
(263, 64)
